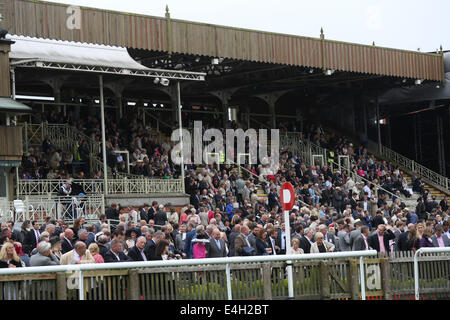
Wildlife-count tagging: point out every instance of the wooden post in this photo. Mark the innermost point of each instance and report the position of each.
(325, 293)
(353, 277)
(61, 286)
(133, 290)
(267, 282)
(385, 277)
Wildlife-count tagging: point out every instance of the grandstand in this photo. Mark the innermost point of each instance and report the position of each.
(88, 119)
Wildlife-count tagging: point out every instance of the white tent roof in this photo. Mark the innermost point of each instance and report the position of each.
(85, 57)
(59, 51)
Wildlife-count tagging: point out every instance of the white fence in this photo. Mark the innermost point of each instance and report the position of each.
(66, 208)
(45, 187)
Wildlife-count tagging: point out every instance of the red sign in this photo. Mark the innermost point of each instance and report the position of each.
(287, 196)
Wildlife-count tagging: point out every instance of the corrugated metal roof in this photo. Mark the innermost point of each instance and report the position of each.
(48, 20)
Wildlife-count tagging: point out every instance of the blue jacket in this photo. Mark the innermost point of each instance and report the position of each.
(229, 210)
(187, 244)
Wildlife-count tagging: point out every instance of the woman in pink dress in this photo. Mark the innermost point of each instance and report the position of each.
(94, 250)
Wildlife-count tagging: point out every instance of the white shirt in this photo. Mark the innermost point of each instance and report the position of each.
(283, 240)
(273, 246)
(76, 256)
(367, 189)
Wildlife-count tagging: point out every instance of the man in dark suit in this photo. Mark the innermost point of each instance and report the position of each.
(380, 239)
(150, 247)
(160, 217)
(115, 254)
(378, 219)
(273, 199)
(67, 241)
(137, 252)
(232, 238)
(271, 241)
(152, 211)
(306, 240)
(102, 243)
(32, 237)
(361, 242)
(144, 212)
(216, 246)
(280, 241)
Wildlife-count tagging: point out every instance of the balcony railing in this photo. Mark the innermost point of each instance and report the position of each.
(46, 187)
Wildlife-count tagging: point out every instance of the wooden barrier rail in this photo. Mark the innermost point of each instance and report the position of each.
(385, 278)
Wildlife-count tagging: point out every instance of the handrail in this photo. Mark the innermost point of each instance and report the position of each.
(416, 265)
(356, 176)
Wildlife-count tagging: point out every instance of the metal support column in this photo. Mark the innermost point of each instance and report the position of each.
(102, 111)
(441, 148)
(180, 123)
(377, 107)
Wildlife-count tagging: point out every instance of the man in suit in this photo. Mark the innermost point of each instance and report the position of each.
(102, 243)
(344, 238)
(137, 252)
(306, 240)
(67, 241)
(361, 243)
(356, 232)
(160, 217)
(252, 236)
(380, 239)
(439, 238)
(271, 241)
(232, 239)
(100, 222)
(115, 253)
(273, 199)
(150, 247)
(44, 257)
(378, 219)
(32, 237)
(241, 241)
(216, 247)
(281, 239)
(78, 255)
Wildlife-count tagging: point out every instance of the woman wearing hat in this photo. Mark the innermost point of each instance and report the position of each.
(132, 235)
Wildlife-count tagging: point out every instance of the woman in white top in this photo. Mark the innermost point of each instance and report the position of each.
(321, 245)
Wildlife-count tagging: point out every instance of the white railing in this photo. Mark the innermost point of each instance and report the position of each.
(80, 269)
(47, 187)
(416, 264)
(144, 186)
(66, 208)
(414, 166)
(44, 187)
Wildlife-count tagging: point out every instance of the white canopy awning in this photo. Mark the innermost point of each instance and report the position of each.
(86, 57)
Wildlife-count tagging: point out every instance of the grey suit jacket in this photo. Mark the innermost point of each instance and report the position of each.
(359, 244)
(344, 241)
(214, 251)
(353, 235)
(444, 237)
(252, 240)
(38, 259)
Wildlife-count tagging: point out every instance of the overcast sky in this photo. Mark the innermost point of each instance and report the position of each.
(404, 24)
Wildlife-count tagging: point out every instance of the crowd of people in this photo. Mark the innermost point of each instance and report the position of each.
(334, 210)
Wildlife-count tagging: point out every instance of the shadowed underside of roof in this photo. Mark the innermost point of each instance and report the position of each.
(48, 20)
